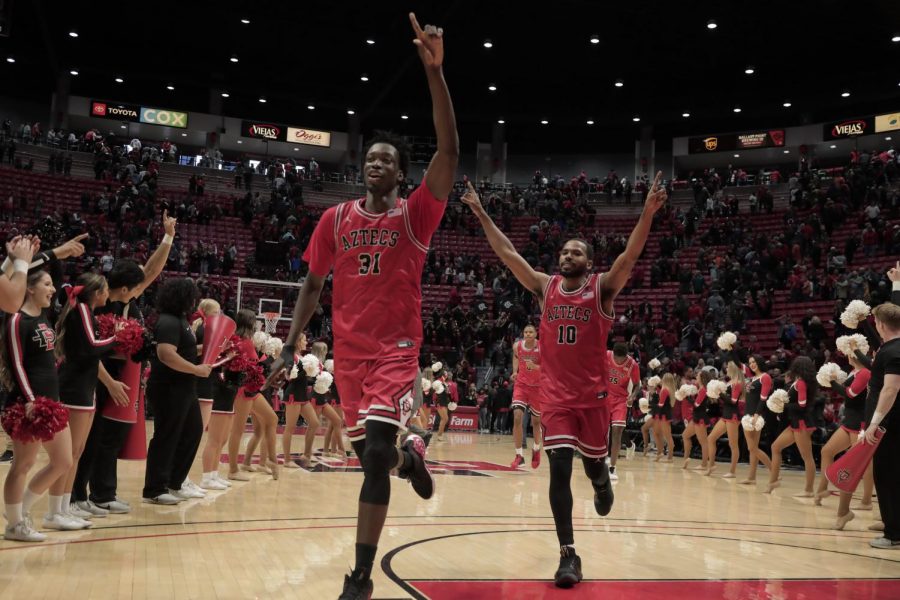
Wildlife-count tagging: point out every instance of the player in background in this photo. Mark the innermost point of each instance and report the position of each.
(576, 316)
(376, 247)
(526, 375)
(624, 385)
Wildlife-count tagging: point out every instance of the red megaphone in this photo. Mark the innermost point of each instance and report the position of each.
(217, 330)
(846, 471)
(130, 376)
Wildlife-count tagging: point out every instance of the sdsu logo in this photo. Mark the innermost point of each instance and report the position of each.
(843, 475)
(98, 109)
(45, 337)
(711, 143)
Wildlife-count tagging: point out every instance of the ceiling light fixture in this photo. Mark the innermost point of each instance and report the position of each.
(737, 155)
(404, 117)
(635, 118)
(364, 77)
(170, 87)
(619, 83)
(545, 122)
(10, 59)
(119, 80)
(73, 72)
(590, 122)
(350, 111)
(750, 70)
(73, 34)
(711, 24)
(225, 94)
(595, 39)
(183, 135)
(245, 21)
(896, 38)
(501, 122)
(845, 94)
(833, 146)
(492, 88)
(685, 114)
(787, 151)
(787, 104)
(310, 107)
(240, 142)
(737, 109)
(370, 42)
(262, 100)
(234, 58)
(488, 44)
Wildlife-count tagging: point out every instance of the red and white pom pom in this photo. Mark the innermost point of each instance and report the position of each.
(323, 382)
(311, 365)
(260, 338)
(654, 364)
(727, 340)
(436, 367)
(426, 385)
(777, 401)
(273, 347)
(830, 372)
(644, 405)
(856, 312)
(451, 406)
(329, 366)
(438, 387)
(295, 372)
(715, 388)
(654, 381)
(37, 421)
(843, 344)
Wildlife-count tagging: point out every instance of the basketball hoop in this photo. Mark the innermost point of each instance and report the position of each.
(271, 319)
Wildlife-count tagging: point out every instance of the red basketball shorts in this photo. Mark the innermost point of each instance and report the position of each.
(618, 410)
(527, 397)
(379, 389)
(582, 429)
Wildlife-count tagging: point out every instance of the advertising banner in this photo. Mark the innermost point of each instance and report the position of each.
(134, 113)
(890, 122)
(263, 130)
(772, 138)
(847, 128)
(311, 137)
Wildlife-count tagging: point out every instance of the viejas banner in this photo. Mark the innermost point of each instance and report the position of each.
(848, 128)
(263, 130)
(771, 138)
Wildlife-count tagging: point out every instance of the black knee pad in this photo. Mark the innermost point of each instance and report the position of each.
(596, 470)
(560, 465)
(378, 457)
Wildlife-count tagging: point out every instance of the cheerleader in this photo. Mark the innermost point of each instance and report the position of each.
(662, 421)
(801, 401)
(442, 400)
(853, 391)
(296, 399)
(700, 418)
(80, 351)
(334, 440)
(267, 456)
(730, 421)
(686, 410)
(28, 371)
(647, 429)
(758, 391)
(221, 415)
(207, 308)
(247, 401)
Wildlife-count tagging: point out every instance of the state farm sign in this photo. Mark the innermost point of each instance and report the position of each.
(847, 129)
(464, 418)
(311, 137)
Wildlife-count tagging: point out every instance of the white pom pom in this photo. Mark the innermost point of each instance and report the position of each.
(426, 385)
(323, 382)
(715, 388)
(438, 387)
(727, 340)
(654, 381)
(679, 395)
(644, 405)
(685, 391)
(647, 418)
(830, 372)
(654, 364)
(329, 366)
(437, 367)
(747, 423)
(452, 406)
(294, 372)
(311, 365)
(856, 312)
(273, 346)
(692, 390)
(843, 344)
(758, 423)
(259, 340)
(777, 401)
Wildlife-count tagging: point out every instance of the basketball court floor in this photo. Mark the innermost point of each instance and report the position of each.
(487, 533)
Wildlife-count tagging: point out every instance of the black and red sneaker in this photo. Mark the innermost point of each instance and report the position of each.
(569, 571)
(356, 587)
(417, 473)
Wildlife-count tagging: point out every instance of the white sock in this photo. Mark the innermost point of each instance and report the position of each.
(537, 447)
(29, 499)
(55, 504)
(67, 501)
(14, 514)
(519, 452)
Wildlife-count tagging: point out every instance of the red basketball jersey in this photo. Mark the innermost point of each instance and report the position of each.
(622, 378)
(529, 364)
(377, 261)
(573, 337)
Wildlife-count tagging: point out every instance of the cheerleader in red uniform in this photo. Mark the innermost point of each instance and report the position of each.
(250, 400)
(334, 439)
(685, 411)
(758, 390)
(28, 370)
(799, 410)
(700, 418)
(296, 399)
(730, 421)
(80, 351)
(662, 421)
(207, 308)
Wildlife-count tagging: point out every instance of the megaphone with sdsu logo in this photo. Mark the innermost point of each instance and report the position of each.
(846, 472)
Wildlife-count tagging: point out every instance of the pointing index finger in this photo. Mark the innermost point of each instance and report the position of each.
(656, 180)
(415, 23)
(83, 236)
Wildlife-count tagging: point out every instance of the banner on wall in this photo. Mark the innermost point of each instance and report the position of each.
(772, 138)
(848, 128)
(889, 122)
(263, 130)
(310, 137)
(135, 113)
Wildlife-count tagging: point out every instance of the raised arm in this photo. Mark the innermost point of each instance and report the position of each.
(157, 261)
(530, 279)
(442, 169)
(12, 285)
(894, 275)
(617, 276)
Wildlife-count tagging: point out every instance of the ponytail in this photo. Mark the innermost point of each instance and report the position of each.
(90, 284)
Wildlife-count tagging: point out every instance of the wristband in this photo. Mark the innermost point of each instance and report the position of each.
(877, 417)
(896, 286)
(20, 266)
(167, 239)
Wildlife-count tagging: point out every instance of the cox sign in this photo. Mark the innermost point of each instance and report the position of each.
(168, 118)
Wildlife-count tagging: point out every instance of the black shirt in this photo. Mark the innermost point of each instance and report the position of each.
(887, 362)
(83, 351)
(175, 330)
(30, 346)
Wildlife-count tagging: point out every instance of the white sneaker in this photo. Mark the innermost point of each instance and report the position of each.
(193, 487)
(209, 483)
(23, 532)
(90, 508)
(612, 474)
(186, 493)
(85, 524)
(218, 477)
(116, 507)
(61, 522)
(73, 510)
(167, 499)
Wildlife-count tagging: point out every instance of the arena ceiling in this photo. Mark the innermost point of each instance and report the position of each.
(543, 61)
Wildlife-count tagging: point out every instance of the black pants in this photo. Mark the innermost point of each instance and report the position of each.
(177, 429)
(98, 464)
(887, 481)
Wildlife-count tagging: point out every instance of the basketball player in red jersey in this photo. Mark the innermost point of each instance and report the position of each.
(624, 383)
(526, 393)
(377, 247)
(576, 316)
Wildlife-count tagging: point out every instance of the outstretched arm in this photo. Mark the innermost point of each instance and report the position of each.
(307, 300)
(617, 276)
(157, 261)
(441, 171)
(530, 279)
(894, 275)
